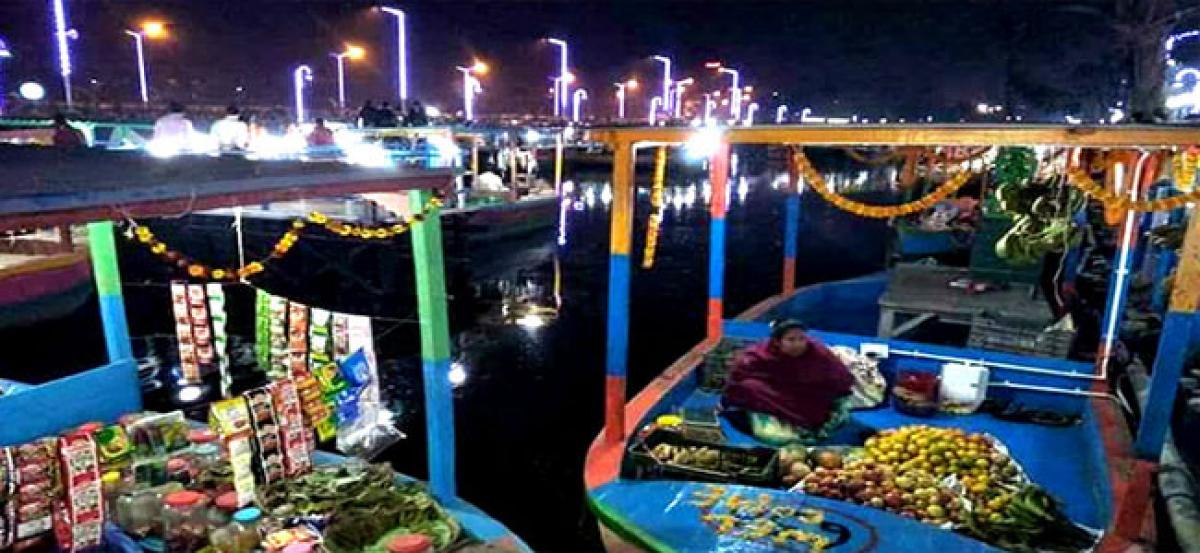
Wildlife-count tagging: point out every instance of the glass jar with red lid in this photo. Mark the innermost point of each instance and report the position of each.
(185, 521)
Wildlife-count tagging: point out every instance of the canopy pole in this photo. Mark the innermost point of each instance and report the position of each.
(558, 162)
(435, 345)
(103, 249)
(618, 291)
(1141, 171)
(791, 223)
(718, 176)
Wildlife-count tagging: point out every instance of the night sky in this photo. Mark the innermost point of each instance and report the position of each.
(879, 58)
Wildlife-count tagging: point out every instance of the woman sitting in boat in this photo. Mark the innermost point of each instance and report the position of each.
(790, 388)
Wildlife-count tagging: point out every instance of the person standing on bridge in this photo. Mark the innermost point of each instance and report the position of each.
(173, 131)
(66, 136)
(231, 132)
(320, 135)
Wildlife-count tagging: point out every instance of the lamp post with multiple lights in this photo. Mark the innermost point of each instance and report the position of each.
(62, 33)
(401, 51)
(631, 84)
(471, 86)
(735, 92)
(678, 102)
(148, 30)
(354, 53)
(578, 98)
(564, 83)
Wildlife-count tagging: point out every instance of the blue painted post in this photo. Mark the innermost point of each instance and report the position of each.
(1118, 287)
(103, 250)
(620, 237)
(1174, 346)
(791, 225)
(719, 176)
(435, 345)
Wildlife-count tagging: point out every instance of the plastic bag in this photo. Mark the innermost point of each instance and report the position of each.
(369, 434)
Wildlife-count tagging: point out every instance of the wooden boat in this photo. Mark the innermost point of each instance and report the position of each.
(94, 187)
(1098, 468)
(41, 278)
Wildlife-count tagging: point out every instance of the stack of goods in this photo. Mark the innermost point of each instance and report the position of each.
(316, 348)
(30, 486)
(916, 393)
(945, 477)
(358, 508)
(193, 328)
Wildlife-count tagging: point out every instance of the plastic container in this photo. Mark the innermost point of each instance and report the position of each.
(179, 470)
(220, 514)
(245, 529)
(916, 393)
(139, 512)
(185, 521)
(410, 543)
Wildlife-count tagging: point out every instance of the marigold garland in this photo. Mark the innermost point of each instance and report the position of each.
(195, 269)
(1184, 164)
(1082, 181)
(873, 211)
(656, 202)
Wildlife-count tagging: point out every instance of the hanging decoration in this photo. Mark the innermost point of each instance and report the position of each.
(885, 158)
(656, 205)
(198, 270)
(877, 212)
(1184, 165)
(1082, 181)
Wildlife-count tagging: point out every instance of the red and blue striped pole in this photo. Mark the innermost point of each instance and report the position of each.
(718, 175)
(791, 224)
(617, 352)
(435, 345)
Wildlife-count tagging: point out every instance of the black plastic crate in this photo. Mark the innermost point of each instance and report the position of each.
(998, 334)
(755, 466)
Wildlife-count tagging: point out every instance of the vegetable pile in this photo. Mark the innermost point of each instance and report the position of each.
(363, 505)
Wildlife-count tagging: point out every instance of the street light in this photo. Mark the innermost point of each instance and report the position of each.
(709, 104)
(401, 51)
(750, 111)
(151, 30)
(471, 86)
(679, 86)
(61, 35)
(354, 53)
(780, 112)
(301, 75)
(560, 105)
(666, 87)
(735, 92)
(631, 84)
(655, 105)
(579, 97)
(5, 53)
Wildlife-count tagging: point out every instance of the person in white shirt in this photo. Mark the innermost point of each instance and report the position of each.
(232, 134)
(173, 131)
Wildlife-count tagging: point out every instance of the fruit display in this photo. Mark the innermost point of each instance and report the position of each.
(914, 494)
(1030, 521)
(765, 521)
(695, 456)
(941, 476)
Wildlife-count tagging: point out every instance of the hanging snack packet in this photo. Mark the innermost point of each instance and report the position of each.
(278, 314)
(268, 445)
(297, 442)
(297, 338)
(38, 483)
(220, 338)
(231, 419)
(79, 521)
(316, 412)
(189, 364)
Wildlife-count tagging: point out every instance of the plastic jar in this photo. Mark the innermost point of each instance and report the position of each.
(245, 529)
(112, 488)
(410, 543)
(185, 521)
(221, 512)
(139, 512)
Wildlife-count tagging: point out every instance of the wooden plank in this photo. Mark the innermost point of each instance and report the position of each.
(917, 135)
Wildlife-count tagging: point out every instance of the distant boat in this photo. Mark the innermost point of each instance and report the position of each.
(40, 279)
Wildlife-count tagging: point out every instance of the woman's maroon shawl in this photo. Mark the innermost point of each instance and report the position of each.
(798, 390)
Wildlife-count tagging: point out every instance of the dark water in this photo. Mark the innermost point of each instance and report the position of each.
(533, 397)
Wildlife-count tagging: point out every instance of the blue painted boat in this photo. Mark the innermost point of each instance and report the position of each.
(1097, 468)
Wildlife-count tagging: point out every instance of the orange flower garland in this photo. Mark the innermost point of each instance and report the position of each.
(1082, 181)
(195, 269)
(874, 211)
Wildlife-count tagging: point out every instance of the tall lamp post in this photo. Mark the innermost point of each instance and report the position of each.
(564, 83)
(735, 92)
(666, 86)
(401, 51)
(578, 98)
(151, 30)
(679, 86)
(780, 113)
(61, 35)
(354, 53)
(302, 74)
(655, 105)
(5, 53)
(631, 84)
(471, 86)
